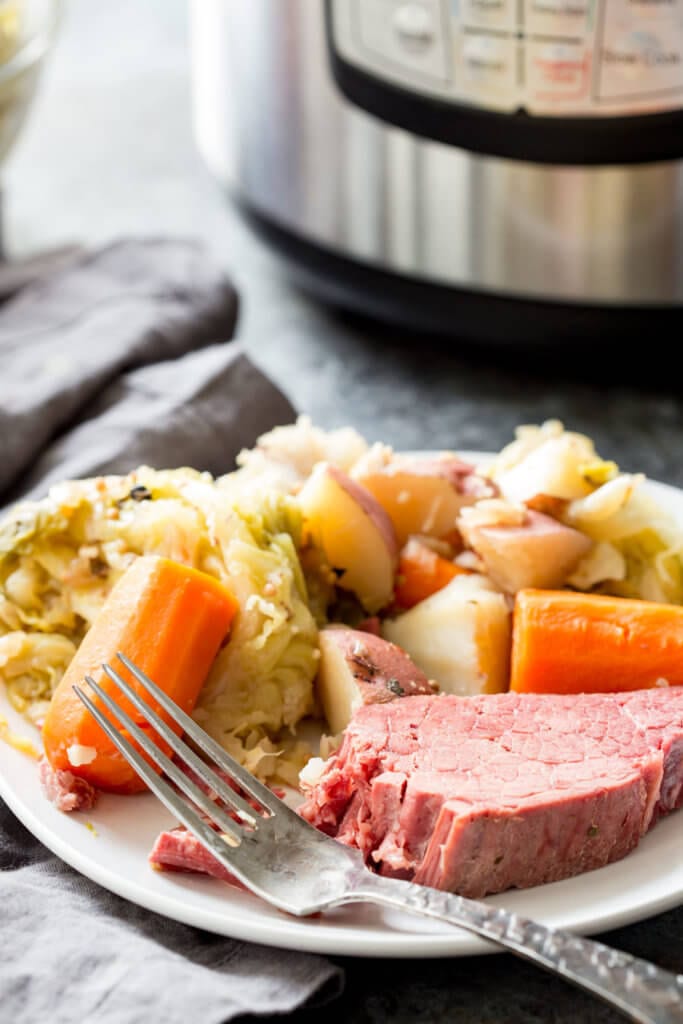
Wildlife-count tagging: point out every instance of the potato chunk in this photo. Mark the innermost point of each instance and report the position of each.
(460, 637)
(538, 552)
(424, 495)
(354, 532)
(359, 668)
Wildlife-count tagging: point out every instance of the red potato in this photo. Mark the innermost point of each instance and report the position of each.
(424, 496)
(354, 532)
(538, 553)
(359, 668)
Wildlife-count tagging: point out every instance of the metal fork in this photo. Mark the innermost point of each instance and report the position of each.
(293, 866)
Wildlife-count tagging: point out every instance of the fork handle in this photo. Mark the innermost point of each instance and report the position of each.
(643, 992)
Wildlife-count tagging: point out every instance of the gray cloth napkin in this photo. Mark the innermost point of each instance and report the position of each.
(121, 358)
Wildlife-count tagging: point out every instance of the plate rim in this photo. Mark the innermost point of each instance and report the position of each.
(296, 934)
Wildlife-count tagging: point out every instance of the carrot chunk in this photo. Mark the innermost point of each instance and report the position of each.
(421, 572)
(567, 642)
(171, 621)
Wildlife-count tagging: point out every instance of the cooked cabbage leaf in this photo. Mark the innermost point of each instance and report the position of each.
(638, 550)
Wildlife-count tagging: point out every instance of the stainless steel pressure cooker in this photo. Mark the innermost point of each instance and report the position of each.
(494, 169)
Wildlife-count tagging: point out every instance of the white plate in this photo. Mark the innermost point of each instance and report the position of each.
(113, 852)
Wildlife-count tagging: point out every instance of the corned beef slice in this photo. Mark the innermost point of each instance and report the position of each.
(481, 794)
(180, 850)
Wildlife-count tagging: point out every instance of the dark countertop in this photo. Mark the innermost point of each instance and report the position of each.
(108, 152)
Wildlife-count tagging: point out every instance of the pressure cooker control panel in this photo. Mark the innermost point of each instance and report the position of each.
(545, 57)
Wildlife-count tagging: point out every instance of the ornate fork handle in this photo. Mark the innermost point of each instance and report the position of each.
(645, 993)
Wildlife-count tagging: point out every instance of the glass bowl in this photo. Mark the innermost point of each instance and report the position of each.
(27, 31)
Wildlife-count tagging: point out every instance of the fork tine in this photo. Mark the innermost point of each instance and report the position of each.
(228, 795)
(233, 768)
(228, 855)
(210, 807)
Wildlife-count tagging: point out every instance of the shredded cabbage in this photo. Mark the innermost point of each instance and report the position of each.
(31, 665)
(549, 460)
(60, 557)
(286, 455)
(263, 677)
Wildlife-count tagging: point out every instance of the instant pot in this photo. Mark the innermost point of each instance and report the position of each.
(494, 169)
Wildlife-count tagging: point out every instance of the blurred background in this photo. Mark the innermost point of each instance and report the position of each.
(109, 150)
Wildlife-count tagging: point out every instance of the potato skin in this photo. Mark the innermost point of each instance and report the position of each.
(354, 532)
(423, 496)
(539, 553)
(359, 668)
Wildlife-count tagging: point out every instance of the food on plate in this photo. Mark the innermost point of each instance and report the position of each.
(177, 849)
(552, 461)
(366, 583)
(421, 572)
(21, 743)
(287, 455)
(480, 794)
(358, 668)
(171, 621)
(460, 636)
(519, 547)
(66, 791)
(353, 531)
(302, 543)
(422, 496)
(567, 642)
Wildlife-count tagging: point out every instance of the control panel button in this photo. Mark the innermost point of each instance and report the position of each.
(414, 23)
(493, 14)
(557, 74)
(407, 34)
(496, 14)
(640, 63)
(556, 17)
(641, 50)
(662, 11)
(487, 69)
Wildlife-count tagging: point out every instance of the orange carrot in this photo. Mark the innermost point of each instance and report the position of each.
(421, 572)
(171, 621)
(567, 642)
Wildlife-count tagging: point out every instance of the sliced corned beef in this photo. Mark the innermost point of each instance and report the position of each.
(179, 850)
(480, 794)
